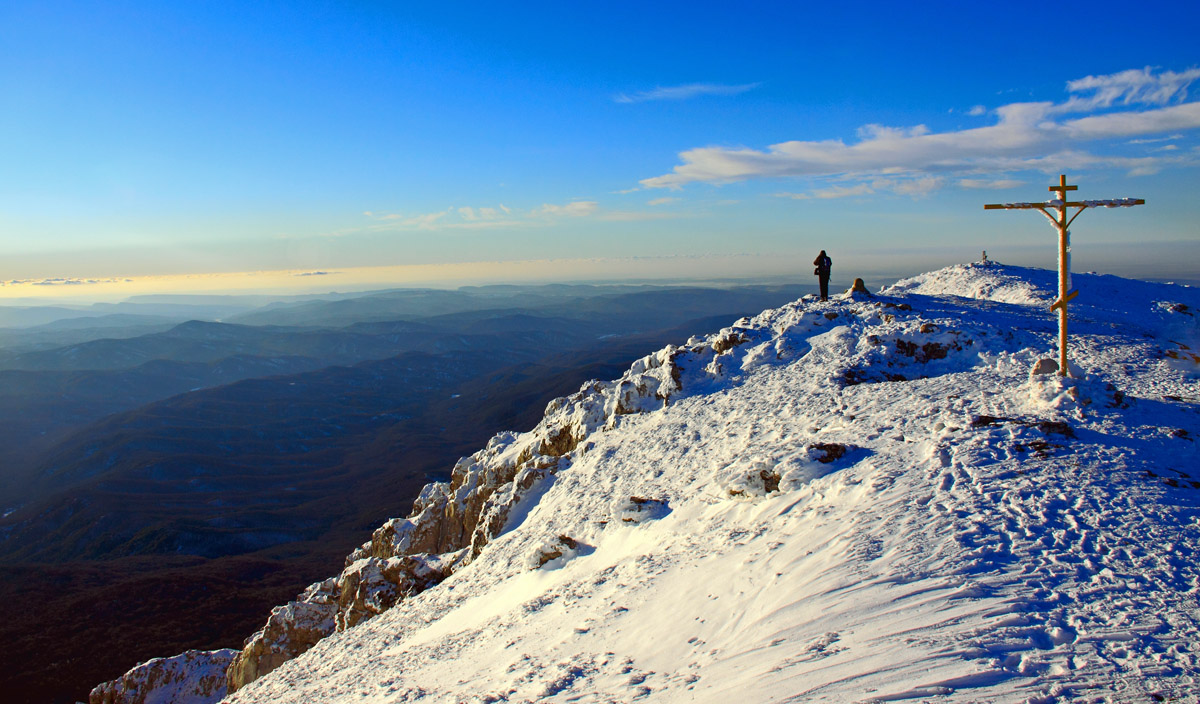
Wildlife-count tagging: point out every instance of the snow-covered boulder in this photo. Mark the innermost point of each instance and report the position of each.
(195, 677)
(553, 553)
(638, 509)
(750, 480)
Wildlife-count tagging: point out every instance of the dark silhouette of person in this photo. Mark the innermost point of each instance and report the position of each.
(824, 264)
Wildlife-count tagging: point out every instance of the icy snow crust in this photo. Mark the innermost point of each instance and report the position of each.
(868, 499)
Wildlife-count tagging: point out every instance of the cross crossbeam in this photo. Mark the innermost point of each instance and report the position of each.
(1103, 203)
(1061, 222)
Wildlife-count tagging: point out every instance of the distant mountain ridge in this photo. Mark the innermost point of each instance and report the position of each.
(48, 392)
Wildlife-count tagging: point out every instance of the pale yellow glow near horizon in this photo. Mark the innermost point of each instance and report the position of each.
(379, 277)
(878, 268)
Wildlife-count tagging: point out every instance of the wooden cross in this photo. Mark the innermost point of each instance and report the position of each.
(1059, 205)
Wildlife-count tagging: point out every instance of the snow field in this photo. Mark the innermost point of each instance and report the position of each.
(985, 536)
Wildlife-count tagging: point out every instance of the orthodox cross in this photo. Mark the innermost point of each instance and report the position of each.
(1059, 207)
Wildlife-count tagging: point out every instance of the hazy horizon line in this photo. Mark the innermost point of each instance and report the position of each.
(1171, 261)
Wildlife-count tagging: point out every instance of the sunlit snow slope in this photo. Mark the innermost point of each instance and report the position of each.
(985, 536)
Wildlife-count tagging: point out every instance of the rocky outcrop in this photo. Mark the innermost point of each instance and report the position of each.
(290, 630)
(196, 677)
(366, 588)
(370, 586)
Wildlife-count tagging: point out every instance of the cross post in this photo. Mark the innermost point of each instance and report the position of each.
(1059, 207)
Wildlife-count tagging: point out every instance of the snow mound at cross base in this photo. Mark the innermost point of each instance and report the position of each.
(985, 280)
(860, 500)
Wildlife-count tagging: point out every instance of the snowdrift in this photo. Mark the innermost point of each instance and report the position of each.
(869, 499)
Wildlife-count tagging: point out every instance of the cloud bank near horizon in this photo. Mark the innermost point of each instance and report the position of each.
(62, 281)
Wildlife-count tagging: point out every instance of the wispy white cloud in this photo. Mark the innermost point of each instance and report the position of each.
(916, 186)
(862, 189)
(574, 209)
(903, 186)
(635, 215)
(990, 184)
(485, 213)
(1023, 135)
(663, 201)
(476, 217)
(1075, 160)
(691, 90)
(424, 221)
(977, 111)
(1153, 140)
(456, 218)
(1129, 124)
(61, 281)
(1132, 87)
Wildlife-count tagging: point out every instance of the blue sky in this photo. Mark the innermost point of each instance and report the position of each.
(680, 139)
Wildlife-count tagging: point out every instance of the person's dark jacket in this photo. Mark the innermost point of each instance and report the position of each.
(824, 264)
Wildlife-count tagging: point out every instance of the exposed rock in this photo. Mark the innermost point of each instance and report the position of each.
(1056, 427)
(922, 353)
(859, 286)
(197, 677)
(367, 587)
(372, 585)
(826, 452)
(1044, 366)
(496, 509)
(770, 480)
(559, 443)
(728, 340)
(290, 630)
(1183, 353)
(560, 548)
(449, 526)
(637, 509)
(986, 420)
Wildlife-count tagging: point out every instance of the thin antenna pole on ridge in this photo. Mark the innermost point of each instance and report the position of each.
(1059, 205)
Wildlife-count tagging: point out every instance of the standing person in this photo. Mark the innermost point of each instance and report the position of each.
(824, 264)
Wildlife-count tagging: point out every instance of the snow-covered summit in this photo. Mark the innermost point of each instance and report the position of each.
(1153, 309)
(987, 281)
(870, 499)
